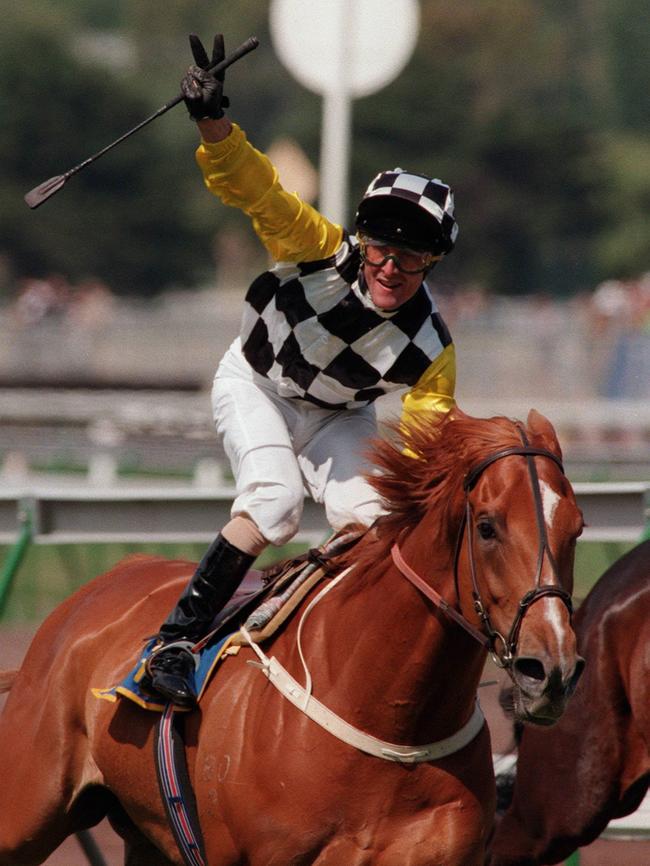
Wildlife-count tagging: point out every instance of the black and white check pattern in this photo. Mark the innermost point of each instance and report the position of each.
(311, 330)
(431, 194)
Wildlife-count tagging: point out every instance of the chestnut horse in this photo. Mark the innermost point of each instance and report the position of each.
(595, 764)
(481, 517)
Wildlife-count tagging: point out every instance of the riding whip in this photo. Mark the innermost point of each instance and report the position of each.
(35, 197)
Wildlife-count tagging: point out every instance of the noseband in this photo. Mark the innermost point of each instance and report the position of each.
(489, 636)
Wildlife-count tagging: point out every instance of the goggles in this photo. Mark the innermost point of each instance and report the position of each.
(375, 254)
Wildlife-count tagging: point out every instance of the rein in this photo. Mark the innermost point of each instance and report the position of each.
(435, 597)
(489, 636)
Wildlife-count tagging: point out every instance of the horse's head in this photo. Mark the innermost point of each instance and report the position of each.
(515, 566)
(497, 488)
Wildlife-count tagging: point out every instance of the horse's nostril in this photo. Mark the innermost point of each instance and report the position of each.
(531, 668)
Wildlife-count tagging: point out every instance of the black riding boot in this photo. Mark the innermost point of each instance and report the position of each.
(213, 584)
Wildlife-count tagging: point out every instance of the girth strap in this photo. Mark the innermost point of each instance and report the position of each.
(176, 789)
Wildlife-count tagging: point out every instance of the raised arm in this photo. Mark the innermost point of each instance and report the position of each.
(243, 177)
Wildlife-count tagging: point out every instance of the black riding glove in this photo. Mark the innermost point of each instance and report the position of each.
(201, 89)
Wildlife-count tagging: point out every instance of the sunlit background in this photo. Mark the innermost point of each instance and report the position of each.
(121, 292)
(119, 295)
(132, 276)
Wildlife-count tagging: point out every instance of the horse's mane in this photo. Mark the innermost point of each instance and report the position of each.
(421, 467)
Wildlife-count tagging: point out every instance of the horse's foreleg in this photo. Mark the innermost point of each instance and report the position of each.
(139, 850)
(16, 850)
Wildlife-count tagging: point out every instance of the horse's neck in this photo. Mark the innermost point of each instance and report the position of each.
(387, 661)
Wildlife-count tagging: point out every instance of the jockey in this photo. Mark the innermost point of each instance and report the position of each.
(336, 322)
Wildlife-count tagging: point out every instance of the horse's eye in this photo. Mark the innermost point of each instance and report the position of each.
(485, 530)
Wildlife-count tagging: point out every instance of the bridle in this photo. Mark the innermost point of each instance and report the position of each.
(488, 636)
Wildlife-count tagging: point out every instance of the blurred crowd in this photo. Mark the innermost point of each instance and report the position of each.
(601, 337)
(623, 305)
(620, 319)
(615, 306)
(88, 305)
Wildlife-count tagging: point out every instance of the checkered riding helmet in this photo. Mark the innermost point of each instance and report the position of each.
(409, 210)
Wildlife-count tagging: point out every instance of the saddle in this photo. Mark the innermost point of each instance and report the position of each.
(263, 603)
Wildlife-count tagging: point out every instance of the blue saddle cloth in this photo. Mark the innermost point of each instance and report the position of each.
(132, 686)
(210, 651)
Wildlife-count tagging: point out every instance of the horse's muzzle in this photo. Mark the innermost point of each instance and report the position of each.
(540, 692)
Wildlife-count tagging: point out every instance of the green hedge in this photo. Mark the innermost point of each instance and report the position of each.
(49, 573)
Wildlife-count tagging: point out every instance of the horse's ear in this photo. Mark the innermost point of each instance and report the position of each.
(541, 428)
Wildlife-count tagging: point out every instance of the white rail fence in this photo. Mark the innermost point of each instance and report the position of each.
(613, 511)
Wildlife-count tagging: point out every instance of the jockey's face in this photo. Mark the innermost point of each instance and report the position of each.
(389, 287)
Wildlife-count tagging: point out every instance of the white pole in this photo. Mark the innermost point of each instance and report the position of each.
(342, 50)
(337, 121)
(334, 159)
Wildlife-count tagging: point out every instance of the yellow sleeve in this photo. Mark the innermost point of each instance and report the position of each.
(242, 177)
(434, 390)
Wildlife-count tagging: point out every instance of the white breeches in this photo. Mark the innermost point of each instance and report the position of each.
(281, 447)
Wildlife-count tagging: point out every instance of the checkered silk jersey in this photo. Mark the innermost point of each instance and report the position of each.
(312, 329)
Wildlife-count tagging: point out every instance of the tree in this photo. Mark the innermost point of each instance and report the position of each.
(120, 220)
(534, 111)
(495, 104)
